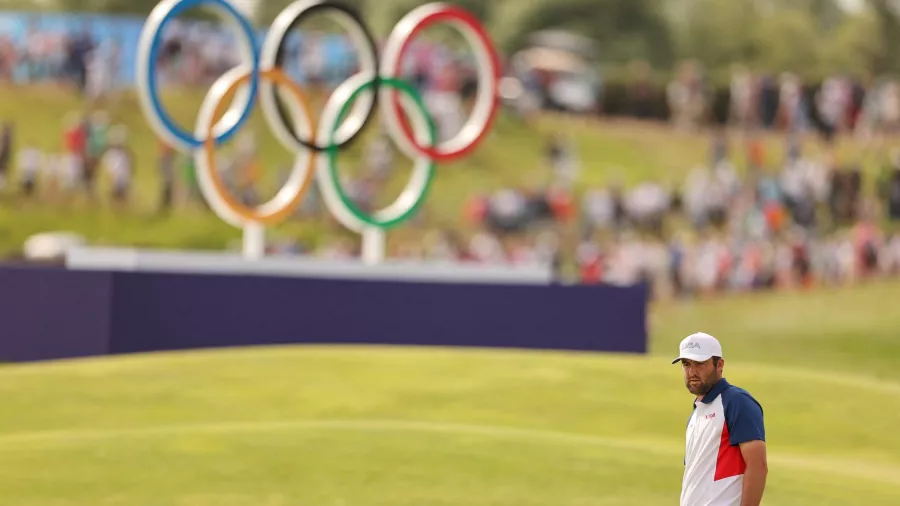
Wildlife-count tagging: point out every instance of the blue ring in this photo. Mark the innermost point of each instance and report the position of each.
(174, 129)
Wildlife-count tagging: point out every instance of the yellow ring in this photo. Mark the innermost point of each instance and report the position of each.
(252, 214)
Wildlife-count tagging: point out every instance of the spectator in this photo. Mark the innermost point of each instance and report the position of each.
(686, 96)
(167, 160)
(641, 91)
(791, 104)
(119, 163)
(96, 145)
(75, 142)
(6, 151)
(743, 97)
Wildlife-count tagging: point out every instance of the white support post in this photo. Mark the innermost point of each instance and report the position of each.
(254, 241)
(373, 245)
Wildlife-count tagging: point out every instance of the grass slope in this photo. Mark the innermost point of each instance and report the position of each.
(398, 426)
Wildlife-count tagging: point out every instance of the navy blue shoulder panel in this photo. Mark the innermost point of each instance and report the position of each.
(743, 416)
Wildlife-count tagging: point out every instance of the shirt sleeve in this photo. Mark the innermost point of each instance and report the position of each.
(744, 418)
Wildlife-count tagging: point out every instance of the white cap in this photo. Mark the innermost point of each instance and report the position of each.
(699, 347)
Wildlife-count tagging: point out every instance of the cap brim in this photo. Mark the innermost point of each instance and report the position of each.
(695, 358)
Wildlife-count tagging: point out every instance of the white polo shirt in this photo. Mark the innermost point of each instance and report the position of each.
(713, 464)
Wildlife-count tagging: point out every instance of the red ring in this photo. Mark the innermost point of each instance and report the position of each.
(452, 13)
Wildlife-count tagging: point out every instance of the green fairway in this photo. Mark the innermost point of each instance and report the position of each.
(400, 426)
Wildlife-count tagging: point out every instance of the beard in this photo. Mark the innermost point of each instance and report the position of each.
(701, 388)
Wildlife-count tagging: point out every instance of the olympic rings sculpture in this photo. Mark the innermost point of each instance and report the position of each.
(347, 111)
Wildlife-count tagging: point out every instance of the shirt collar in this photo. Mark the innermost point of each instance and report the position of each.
(719, 387)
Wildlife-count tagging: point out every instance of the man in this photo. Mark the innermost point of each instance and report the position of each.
(725, 453)
(6, 151)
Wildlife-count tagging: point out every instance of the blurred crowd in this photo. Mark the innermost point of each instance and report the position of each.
(71, 56)
(98, 55)
(798, 221)
(90, 148)
(865, 108)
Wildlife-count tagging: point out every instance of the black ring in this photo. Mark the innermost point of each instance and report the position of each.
(326, 5)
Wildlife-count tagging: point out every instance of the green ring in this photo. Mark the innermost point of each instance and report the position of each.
(332, 151)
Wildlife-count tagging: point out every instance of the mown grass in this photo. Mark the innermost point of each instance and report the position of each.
(405, 426)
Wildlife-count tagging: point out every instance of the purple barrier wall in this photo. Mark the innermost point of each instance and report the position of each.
(52, 313)
(142, 312)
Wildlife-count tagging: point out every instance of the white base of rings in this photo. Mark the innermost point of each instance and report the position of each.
(254, 247)
(373, 246)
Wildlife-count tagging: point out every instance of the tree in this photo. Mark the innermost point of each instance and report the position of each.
(856, 45)
(888, 22)
(142, 7)
(485, 11)
(268, 9)
(135, 7)
(789, 42)
(623, 30)
(719, 34)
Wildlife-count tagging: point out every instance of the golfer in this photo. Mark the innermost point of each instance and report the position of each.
(725, 452)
